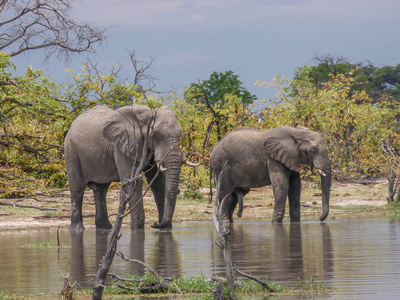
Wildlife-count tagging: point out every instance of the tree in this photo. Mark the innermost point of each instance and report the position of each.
(36, 113)
(219, 87)
(386, 81)
(45, 24)
(351, 124)
(379, 83)
(32, 125)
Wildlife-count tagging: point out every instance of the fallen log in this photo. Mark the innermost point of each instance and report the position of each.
(26, 206)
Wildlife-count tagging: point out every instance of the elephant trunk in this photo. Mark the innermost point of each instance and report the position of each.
(326, 177)
(172, 165)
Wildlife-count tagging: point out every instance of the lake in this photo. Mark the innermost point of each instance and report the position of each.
(360, 257)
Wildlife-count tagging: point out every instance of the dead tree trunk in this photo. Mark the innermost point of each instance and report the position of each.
(111, 249)
(125, 195)
(224, 242)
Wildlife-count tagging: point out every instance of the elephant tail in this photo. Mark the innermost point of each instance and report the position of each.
(210, 194)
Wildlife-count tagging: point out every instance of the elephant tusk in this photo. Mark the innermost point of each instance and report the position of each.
(161, 167)
(321, 172)
(191, 164)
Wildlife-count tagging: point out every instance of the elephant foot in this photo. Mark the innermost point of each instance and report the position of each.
(137, 226)
(278, 221)
(162, 225)
(76, 226)
(104, 226)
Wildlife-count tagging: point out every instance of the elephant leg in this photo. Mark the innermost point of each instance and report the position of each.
(100, 193)
(238, 194)
(279, 176)
(228, 205)
(136, 204)
(76, 208)
(294, 197)
(231, 203)
(158, 189)
(126, 167)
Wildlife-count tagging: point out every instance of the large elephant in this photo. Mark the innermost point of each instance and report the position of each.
(247, 158)
(104, 146)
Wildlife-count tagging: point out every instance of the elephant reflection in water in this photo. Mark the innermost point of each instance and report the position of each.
(137, 251)
(276, 253)
(296, 257)
(327, 252)
(77, 272)
(281, 252)
(164, 256)
(288, 252)
(81, 260)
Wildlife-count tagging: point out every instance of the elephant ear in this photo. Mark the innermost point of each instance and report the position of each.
(125, 129)
(283, 147)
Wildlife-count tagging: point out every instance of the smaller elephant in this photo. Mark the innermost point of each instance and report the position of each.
(104, 146)
(247, 158)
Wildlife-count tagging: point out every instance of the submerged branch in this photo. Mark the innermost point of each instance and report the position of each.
(263, 283)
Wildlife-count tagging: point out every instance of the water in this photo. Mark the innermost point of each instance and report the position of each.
(360, 257)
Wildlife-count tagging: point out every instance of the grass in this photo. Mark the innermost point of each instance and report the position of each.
(393, 208)
(197, 287)
(314, 287)
(38, 245)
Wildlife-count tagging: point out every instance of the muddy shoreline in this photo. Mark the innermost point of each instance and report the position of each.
(53, 210)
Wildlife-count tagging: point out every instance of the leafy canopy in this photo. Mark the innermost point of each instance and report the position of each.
(351, 124)
(378, 83)
(218, 88)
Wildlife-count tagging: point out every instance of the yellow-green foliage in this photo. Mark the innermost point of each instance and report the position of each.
(352, 126)
(32, 126)
(36, 113)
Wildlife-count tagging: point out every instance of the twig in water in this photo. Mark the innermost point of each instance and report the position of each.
(263, 283)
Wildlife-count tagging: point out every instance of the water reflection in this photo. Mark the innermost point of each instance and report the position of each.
(137, 251)
(358, 256)
(288, 251)
(77, 261)
(281, 252)
(166, 255)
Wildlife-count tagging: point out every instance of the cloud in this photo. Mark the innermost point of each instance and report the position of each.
(197, 18)
(181, 15)
(187, 4)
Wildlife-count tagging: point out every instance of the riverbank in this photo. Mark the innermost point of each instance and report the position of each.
(52, 210)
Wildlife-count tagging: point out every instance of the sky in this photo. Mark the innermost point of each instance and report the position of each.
(256, 39)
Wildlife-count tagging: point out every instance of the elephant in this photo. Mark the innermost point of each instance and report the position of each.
(248, 158)
(105, 145)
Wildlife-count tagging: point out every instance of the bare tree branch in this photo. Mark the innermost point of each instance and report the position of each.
(26, 206)
(45, 24)
(142, 74)
(263, 283)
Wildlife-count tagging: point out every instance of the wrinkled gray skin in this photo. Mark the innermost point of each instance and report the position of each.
(247, 158)
(104, 146)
